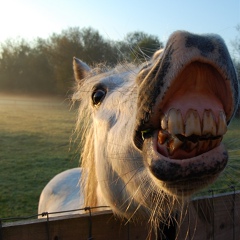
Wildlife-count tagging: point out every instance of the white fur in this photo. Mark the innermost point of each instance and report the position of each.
(62, 193)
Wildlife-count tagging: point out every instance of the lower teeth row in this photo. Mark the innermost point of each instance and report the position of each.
(200, 144)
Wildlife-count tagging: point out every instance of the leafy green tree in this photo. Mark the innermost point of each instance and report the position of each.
(96, 49)
(45, 65)
(59, 50)
(24, 69)
(142, 46)
(236, 46)
(86, 44)
(236, 58)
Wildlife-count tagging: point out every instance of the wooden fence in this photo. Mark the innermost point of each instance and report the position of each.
(215, 218)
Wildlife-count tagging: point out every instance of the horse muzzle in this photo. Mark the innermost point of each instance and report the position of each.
(187, 97)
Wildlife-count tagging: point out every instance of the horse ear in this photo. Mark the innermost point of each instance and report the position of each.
(80, 69)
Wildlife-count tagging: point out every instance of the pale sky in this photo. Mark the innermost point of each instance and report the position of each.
(30, 19)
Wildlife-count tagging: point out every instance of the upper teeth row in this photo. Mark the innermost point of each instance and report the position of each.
(192, 124)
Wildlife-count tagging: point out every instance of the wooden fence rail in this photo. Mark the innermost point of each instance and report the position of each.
(212, 218)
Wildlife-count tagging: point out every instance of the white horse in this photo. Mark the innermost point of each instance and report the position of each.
(152, 133)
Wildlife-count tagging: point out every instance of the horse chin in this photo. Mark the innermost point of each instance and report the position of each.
(182, 177)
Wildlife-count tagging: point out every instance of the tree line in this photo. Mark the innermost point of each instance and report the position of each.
(44, 66)
(236, 54)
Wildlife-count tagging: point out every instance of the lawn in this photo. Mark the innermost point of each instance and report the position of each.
(231, 175)
(229, 179)
(35, 145)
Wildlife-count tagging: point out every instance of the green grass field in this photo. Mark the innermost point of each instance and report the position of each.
(231, 175)
(35, 145)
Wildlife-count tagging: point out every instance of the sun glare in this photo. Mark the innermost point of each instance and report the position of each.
(25, 20)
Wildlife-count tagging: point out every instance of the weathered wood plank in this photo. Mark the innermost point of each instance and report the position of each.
(212, 218)
(206, 218)
(103, 226)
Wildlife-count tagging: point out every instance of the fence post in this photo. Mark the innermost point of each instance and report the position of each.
(90, 223)
(213, 216)
(1, 232)
(233, 210)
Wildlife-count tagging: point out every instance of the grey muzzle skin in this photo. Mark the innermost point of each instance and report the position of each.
(155, 81)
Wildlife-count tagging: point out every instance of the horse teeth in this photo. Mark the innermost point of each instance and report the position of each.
(164, 122)
(209, 124)
(204, 146)
(192, 123)
(175, 122)
(174, 144)
(191, 145)
(162, 136)
(222, 125)
(216, 142)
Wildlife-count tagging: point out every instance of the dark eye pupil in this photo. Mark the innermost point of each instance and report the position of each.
(98, 96)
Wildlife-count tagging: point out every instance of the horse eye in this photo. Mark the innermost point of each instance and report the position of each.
(98, 96)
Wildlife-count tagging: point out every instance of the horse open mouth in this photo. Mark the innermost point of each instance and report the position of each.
(193, 119)
(182, 139)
